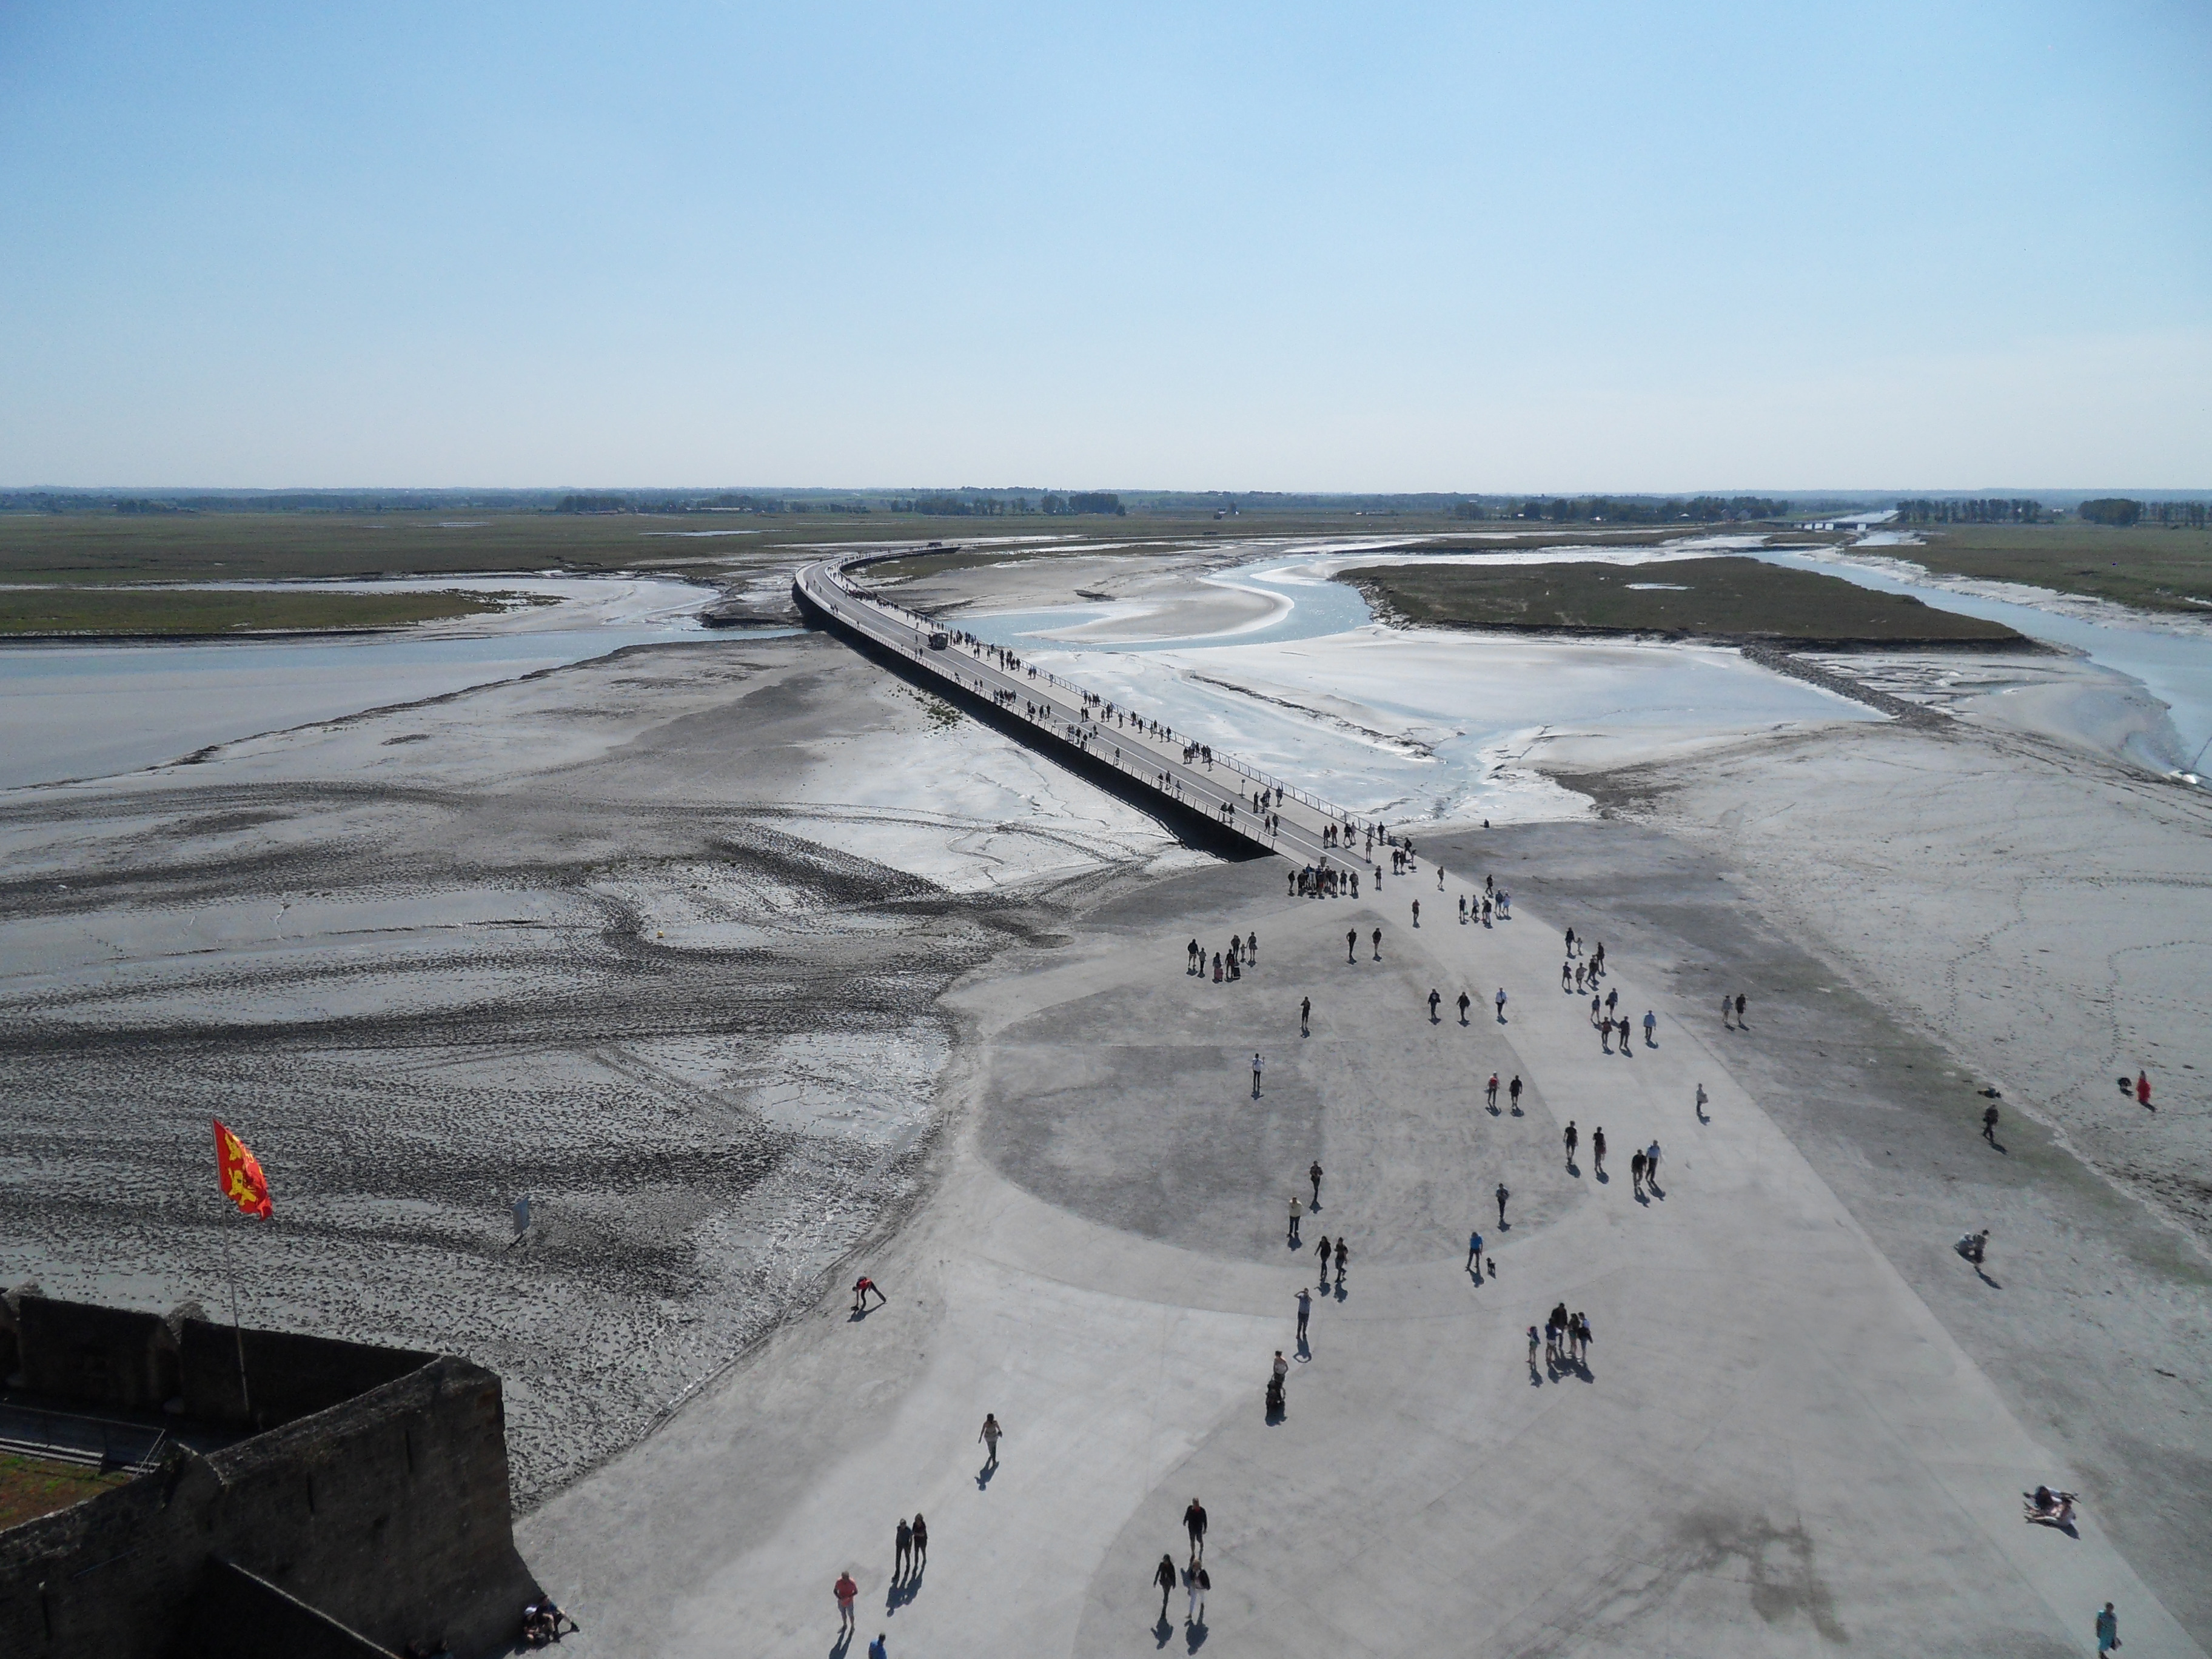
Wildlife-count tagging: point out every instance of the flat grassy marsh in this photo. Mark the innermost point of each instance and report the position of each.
(1726, 598)
(2146, 566)
(186, 613)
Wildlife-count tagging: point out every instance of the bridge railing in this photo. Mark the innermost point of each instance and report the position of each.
(834, 570)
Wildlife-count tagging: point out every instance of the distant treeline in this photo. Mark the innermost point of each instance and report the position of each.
(2119, 510)
(1632, 509)
(1992, 510)
(981, 506)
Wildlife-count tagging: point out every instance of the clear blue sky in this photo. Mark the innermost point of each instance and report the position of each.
(1467, 246)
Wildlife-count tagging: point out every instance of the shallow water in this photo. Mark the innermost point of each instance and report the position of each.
(2174, 665)
(1493, 694)
(90, 710)
(1429, 724)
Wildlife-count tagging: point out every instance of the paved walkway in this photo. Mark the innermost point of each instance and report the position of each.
(1775, 1450)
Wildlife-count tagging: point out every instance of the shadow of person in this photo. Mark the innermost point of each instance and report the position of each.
(983, 1475)
(1340, 1292)
(1604, 1180)
(1652, 1187)
(1493, 1109)
(2000, 1146)
(842, 1645)
(1574, 1168)
(1980, 1274)
(1194, 1635)
(1302, 1352)
(1640, 1198)
(1701, 1111)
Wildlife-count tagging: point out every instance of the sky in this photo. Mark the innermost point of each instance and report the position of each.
(1470, 247)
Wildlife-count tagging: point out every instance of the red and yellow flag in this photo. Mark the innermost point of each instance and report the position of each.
(238, 1172)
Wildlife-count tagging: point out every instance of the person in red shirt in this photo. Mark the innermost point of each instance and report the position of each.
(2143, 1088)
(846, 1591)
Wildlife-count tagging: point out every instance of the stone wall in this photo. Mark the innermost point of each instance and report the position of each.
(387, 1512)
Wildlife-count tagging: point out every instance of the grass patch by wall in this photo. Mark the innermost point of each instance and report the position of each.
(1718, 598)
(31, 1487)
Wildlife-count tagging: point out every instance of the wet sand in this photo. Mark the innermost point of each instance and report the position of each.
(655, 940)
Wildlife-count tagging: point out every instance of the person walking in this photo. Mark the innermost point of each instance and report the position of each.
(1635, 1172)
(1255, 1074)
(1193, 1522)
(1490, 1094)
(1570, 941)
(1297, 1210)
(1352, 944)
(1651, 1166)
(877, 1649)
(1650, 1026)
(1474, 1253)
(1465, 1003)
(1417, 913)
(1502, 1196)
(1312, 1174)
(845, 1590)
(1728, 1014)
(1990, 1124)
(920, 1543)
(1164, 1576)
(1434, 999)
(1569, 1137)
(990, 1439)
(1196, 1578)
(1501, 1004)
(1306, 1312)
(901, 1551)
(1305, 1016)
(1321, 1250)
(1514, 1090)
(2143, 1088)
(1532, 1347)
(1701, 1102)
(1597, 1149)
(1739, 1023)
(2108, 1631)
(1378, 944)
(1342, 1252)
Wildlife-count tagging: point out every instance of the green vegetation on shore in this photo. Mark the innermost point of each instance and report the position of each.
(1727, 598)
(2151, 566)
(202, 612)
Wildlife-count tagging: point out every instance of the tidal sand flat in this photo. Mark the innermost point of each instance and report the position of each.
(653, 941)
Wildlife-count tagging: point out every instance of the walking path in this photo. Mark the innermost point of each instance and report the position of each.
(1776, 1447)
(1216, 784)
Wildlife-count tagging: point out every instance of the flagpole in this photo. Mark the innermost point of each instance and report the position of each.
(230, 1269)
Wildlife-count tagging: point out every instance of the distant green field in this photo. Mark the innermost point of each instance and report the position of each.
(82, 548)
(200, 613)
(2145, 566)
(1719, 598)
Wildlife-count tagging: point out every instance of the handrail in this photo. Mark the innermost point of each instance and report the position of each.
(831, 572)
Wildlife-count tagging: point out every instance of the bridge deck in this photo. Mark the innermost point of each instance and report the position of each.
(1221, 787)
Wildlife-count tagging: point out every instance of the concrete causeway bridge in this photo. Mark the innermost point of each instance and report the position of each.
(1208, 796)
